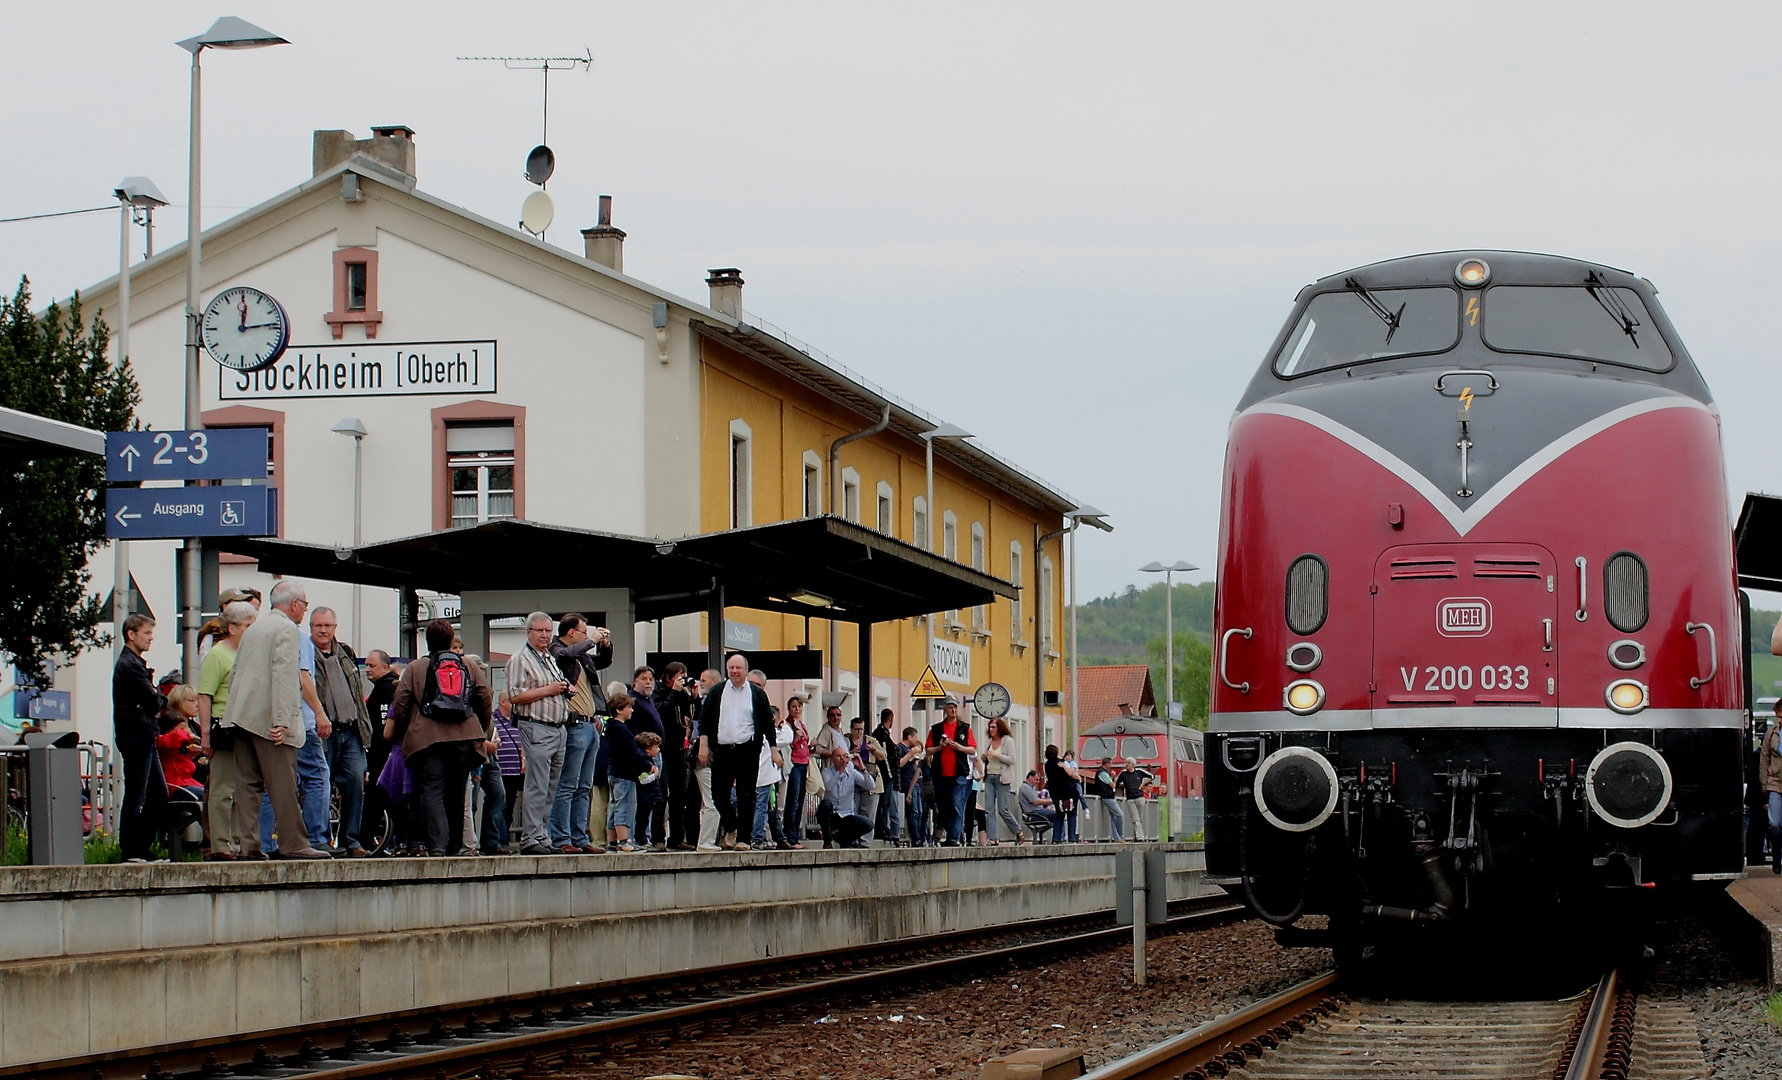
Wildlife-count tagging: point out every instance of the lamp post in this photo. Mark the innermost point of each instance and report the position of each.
(353, 427)
(227, 32)
(1169, 626)
(944, 431)
(1082, 515)
(133, 193)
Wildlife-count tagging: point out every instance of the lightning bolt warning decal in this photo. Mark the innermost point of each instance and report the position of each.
(1472, 310)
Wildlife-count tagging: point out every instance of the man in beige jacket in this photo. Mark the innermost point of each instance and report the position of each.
(265, 707)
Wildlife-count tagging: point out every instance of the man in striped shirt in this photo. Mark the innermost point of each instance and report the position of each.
(537, 698)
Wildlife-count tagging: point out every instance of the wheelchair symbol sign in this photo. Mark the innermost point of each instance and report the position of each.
(232, 512)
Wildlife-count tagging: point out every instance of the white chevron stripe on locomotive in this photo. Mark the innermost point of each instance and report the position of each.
(1465, 519)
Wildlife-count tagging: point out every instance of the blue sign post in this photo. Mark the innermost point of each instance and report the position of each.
(175, 513)
(212, 454)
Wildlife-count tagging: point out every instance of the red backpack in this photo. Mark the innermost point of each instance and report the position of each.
(445, 698)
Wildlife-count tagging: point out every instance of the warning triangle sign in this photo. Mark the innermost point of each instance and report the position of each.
(929, 685)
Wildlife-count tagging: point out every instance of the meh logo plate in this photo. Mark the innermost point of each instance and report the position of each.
(1464, 616)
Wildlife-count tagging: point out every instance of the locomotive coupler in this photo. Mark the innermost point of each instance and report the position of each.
(1362, 797)
(1466, 841)
(1560, 787)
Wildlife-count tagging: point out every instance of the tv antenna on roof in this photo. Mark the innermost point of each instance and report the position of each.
(538, 209)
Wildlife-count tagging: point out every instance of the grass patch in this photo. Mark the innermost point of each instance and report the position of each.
(102, 847)
(1772, 1011)
(18, 844)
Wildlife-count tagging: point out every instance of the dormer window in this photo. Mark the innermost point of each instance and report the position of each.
(355, 292)
(355, 286)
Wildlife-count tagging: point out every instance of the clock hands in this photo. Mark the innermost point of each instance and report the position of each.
(258, 325)
(242, 307)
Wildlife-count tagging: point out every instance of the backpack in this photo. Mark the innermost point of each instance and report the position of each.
(445, 698)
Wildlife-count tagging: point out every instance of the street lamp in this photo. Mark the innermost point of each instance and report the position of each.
(1169, 626)
(352, 427)
(133, 193)
(227, 32)
(944, 431)
(1082, 515)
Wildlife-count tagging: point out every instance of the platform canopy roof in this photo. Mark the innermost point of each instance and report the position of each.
(1757, 543)
(26, 436)
(822, 567)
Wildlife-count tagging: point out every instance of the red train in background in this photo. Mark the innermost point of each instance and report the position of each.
(1479, 643)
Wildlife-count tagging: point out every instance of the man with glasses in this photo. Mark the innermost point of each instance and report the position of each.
(537, 700)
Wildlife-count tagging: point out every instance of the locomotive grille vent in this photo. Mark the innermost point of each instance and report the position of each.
(1308, 594)
(1624, 592)
(1508, 568)
(1412, 569)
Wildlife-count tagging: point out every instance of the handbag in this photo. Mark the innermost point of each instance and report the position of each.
(813, 778)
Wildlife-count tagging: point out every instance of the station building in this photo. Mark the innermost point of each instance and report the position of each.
(499, 376)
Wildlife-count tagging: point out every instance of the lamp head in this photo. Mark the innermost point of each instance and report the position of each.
(947, 431)
(139, 191)
(1089, 515)
(1152, 567)
(230, 32)
(350, 426)
(1181, 567)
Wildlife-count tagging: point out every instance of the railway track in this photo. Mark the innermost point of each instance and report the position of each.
(1314, 1030)
(526, 1034)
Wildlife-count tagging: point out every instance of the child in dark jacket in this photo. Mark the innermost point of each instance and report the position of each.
(650, 797)
(625, 764)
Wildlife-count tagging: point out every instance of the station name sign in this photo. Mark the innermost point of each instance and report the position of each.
(368, 369)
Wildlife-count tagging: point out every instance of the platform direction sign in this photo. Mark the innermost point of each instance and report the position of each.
(163, 513)
(210, 454)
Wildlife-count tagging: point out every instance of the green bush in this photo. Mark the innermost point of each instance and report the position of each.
(102, 847)
(18, 843)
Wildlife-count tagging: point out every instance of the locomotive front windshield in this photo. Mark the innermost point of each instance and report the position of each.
(1584, 322)
(1357, 325)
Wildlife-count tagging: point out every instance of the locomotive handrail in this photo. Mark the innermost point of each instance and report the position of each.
(1713, 654)
(1225, 654)
(1490, 379)
(1583, 611)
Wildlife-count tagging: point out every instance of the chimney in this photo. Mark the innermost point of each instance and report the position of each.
(726, 284)
(392, 145)
(604, 244)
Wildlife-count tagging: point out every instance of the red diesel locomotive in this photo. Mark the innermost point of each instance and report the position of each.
(1479, 641)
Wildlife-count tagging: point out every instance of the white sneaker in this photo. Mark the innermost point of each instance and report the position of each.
(710, 847)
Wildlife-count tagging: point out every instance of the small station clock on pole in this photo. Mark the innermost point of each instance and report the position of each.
(245, 329)
(991, 701)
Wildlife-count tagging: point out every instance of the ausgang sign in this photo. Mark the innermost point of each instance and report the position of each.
(368, 369)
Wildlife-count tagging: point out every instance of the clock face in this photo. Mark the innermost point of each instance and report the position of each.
(244, 329)
(991, 700)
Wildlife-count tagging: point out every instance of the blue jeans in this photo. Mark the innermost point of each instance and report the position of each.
(918, 814)
(793, 811)
(346, 767)
(1116, 818)
(997, 799)
(889, 824)
(494, 806)
(312, 795)
(764, 819)
(575, 787)
(1064, 818)
(950, 793)
(621, 810)
(1775, 824)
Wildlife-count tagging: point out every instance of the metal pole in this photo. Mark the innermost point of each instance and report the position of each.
(1072, 721)
(190, 559)
(1169, 642)
(1138, 916)
(120, 551)
(359, 536)
(928, 542)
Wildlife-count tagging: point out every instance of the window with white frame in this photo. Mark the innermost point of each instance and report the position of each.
(480, 460)
(1045, 602)
(1017, 632)
(887, 510)
(742, 479)
(919, 525)
(813, 484)
(851, 495)
(980, 615)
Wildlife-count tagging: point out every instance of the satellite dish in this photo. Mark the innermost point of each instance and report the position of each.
(540, 164)
(536, 212)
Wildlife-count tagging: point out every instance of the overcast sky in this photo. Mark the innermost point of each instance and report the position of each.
(1072, 229)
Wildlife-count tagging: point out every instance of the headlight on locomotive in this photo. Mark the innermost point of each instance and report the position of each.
(1628, 784)
(1626, 696)
(1303, 697)
(1296, 789)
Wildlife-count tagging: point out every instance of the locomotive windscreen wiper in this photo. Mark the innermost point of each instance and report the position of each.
(1612, 304)
(1389, 317)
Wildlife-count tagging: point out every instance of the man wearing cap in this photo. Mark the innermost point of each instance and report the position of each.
(950, 749)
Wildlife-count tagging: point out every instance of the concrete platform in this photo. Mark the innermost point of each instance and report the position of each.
(102, 958)
(1760, 895)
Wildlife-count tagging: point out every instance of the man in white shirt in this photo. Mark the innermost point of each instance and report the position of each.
(734, 722)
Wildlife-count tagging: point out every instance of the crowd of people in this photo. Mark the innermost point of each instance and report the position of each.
(282, 721)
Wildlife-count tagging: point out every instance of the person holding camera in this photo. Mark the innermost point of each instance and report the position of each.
(538, 698)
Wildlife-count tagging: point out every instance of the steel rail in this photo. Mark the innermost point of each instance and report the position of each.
(1233, 1038)
(1596, 1031)
(325, 1050)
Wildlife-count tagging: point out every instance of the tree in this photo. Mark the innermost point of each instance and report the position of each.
(52, 512)
(1194, 676)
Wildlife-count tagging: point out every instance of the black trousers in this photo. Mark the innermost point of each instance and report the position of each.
(441, 771)
(841, 828)
(675, 775)
(734, 769)
(145, 798)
